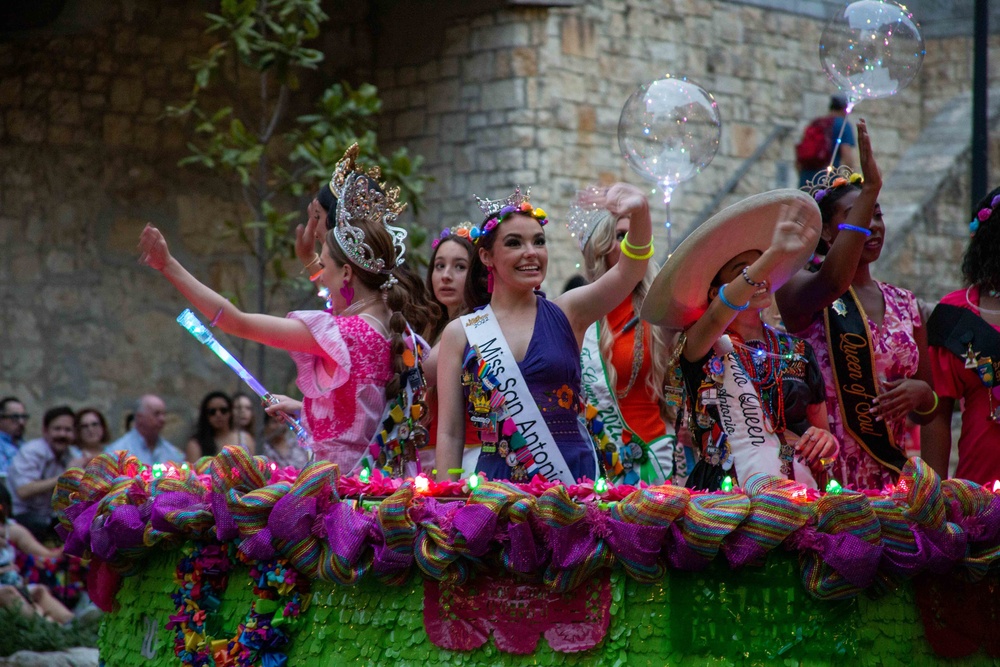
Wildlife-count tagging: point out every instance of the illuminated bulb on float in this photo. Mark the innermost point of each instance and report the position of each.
(601, 485)
(996, 486)
(473, 482)
(365, 475)
(833, 487)
(421, 483)
(727, 484)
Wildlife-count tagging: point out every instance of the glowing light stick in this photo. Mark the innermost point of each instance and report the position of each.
(189, 321)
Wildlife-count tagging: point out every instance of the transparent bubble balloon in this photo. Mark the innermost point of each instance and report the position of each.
(871, 49)
(669, 130)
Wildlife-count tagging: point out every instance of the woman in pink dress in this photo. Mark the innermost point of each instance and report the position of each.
(868, 336)
(349, 357)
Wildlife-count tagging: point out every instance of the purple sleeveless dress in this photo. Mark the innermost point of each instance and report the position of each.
(551, 369)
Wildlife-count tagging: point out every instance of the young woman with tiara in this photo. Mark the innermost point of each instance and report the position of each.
(868, 335)
(754, 395)
(350, 357)
(964, 342)
(515, 361)
(624, 361)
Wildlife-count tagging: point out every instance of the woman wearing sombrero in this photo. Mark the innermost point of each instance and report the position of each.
(754, 395)
(868, 335)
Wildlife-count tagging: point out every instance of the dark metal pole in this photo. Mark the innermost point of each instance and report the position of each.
(980, 136)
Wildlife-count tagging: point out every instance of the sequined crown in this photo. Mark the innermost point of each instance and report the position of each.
(583, 218)
(359, 198)
(829, 179)
(491, 207)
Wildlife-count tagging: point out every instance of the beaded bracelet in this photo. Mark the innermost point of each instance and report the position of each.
(854, 228)
(631, 255)
(752, 283)
(933, 407)
(725, 301)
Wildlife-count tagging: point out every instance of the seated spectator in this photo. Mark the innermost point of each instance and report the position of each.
(281, 446)
(34, 471)
(215, 429)
(13, 419)
(244, 416)
(91, 434)
(144, 441)
(14, 591)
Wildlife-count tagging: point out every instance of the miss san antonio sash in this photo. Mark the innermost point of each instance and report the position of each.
(598, 392)
(852, 358)
(484, 335)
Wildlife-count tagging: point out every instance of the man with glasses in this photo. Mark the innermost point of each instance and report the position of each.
(144, 441)
(35, 470)
(13, 419)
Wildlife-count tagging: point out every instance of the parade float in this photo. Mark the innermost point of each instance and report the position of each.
(239, 562)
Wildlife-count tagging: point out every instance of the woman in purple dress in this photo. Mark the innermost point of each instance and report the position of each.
(514, 363)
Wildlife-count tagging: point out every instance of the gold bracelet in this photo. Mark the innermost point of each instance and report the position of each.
(637, 249)
(631, 255)
(306, 267)
(933, 407)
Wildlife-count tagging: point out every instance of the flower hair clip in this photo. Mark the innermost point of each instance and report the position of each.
(983, 215)
(831, 179)
(462, 229)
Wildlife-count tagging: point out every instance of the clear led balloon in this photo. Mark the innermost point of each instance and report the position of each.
(669, 131)
(871, 49)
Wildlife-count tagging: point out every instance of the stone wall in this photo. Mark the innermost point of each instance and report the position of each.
(491, 94)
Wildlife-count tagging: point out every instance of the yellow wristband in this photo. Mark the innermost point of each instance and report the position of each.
(637, 249)
(628, 253)
(933, 407)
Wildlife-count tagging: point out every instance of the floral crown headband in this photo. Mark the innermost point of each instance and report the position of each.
(358, 198)
(463, 229)
(831, 179)
(497, 210)
(983, 215)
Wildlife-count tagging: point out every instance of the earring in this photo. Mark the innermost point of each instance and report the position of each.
(489, 279)
(347, 292)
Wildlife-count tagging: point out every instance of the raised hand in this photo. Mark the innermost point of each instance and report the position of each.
(791, 235)
(153, 248)
(308, 235)
(620, 199)
(869, 168)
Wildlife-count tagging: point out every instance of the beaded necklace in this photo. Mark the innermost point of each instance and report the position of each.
(762, 364)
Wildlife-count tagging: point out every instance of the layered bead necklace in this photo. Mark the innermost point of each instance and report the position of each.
(762, 362)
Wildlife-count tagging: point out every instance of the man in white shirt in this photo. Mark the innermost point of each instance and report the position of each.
(144, 441)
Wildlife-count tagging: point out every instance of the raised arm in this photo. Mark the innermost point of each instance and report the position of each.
(279, 332)
(587, 304)
(808, 293)
(790, 237)
(451, 401)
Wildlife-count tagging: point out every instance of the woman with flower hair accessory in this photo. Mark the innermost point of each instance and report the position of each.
(352, 357)
(754, 396)
(868, 335)
(624, 360)
(515, 361)
(964, 342)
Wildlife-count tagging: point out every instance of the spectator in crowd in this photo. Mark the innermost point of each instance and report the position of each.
(243, 416)
(144, 441)
(13, 419)
(91, 433)
(14, 591)
(819, 143)
(129, 420)
(36, 468)
(214, 429)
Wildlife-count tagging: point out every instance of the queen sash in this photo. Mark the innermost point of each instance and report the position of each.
(484, 334)
(852, 359)
(753, 447)
(598, 392)
(956, 329)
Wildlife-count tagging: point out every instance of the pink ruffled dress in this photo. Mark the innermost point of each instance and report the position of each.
(342, 411)
(896, 357)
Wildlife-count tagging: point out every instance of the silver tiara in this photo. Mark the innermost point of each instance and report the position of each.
(583, 218)
(490, 207)
(359, 198)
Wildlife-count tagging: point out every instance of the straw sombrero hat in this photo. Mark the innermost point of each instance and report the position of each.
(679, 294)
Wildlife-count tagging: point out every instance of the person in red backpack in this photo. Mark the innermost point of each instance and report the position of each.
(819, 143)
